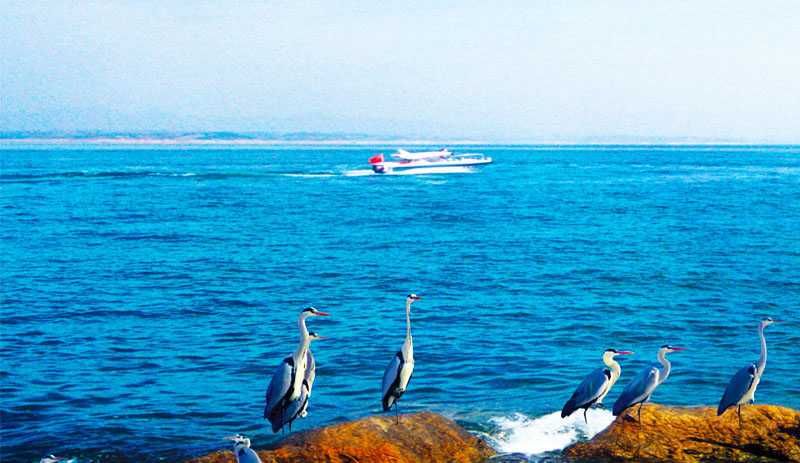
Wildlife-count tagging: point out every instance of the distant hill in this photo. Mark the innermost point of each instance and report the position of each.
(267, 138)
(208, 136)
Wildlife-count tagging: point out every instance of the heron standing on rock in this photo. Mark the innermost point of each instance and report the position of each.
(743, 384)
(595, 386)
(639, 390)
(286, 385)
(297, 407)
(398, 373)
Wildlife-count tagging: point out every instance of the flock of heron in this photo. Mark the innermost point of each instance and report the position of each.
(596, 385)
(290, 387)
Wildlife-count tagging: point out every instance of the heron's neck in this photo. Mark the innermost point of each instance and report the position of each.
(762, 359)
(407, 346)
(408, 319)
(301, 324)
(301, 350)
(662, 375)
(615, 370)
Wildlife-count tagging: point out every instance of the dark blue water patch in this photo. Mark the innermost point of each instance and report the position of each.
(92, 401)
(49, 397)
(121, 349)
(21, 177)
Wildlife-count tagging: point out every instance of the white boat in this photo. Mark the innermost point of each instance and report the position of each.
(426, 161)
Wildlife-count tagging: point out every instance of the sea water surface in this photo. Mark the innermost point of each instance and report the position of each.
(148, 293)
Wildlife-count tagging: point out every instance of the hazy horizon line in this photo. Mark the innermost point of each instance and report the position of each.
(341, 138)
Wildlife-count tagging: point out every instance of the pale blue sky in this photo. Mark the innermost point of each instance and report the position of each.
(495, 70)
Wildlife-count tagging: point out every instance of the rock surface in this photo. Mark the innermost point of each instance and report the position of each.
(689, 435)
(420, 437)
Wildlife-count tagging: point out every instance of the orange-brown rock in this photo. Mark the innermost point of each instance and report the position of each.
(689, 435)
(420, 437)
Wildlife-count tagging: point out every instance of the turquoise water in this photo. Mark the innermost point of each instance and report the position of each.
(148, 293)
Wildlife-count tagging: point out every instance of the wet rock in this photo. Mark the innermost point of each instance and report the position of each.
(689, 435)
(420, 437)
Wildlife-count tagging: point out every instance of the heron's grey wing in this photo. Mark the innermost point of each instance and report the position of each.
(279, 385)
(297, 405)
(248, 455)
(638, 390)
(737, 388)
(391, 378)
(311, 367)
(588, 391)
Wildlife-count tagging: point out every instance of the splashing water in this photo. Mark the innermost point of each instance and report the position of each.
(521, 434)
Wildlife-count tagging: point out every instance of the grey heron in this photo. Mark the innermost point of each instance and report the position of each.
(297, 407)
(641, 387)
(287, 382)
(51, 459)
(242, 450)
(595, 385)
(398, 373)
(743, 384)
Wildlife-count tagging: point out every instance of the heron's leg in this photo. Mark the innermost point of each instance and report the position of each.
(584, 415)
(640, 415)
(396, 413)
(601, 405)
(740, 417)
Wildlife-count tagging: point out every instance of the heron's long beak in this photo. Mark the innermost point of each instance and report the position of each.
(678, 348)
(322, 314)
(417, 298)
(323, 337)
(780, 320)
(623, 352)
(229, 438)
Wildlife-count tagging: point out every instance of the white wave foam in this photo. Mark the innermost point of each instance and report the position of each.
(521, 434)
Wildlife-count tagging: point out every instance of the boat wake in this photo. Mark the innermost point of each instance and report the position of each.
(521, 434)
(310, 175)
(417, 171)
(358, 173)
(123, 175)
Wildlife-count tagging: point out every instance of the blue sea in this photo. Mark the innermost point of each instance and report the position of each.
(148, 293)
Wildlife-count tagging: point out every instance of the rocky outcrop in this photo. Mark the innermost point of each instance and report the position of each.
(689, 435)
(420, 437)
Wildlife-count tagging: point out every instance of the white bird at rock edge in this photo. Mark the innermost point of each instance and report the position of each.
(242, 450)
(51, 459)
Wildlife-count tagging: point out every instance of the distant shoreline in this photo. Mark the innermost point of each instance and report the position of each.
(244, 141)
(226, 141)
